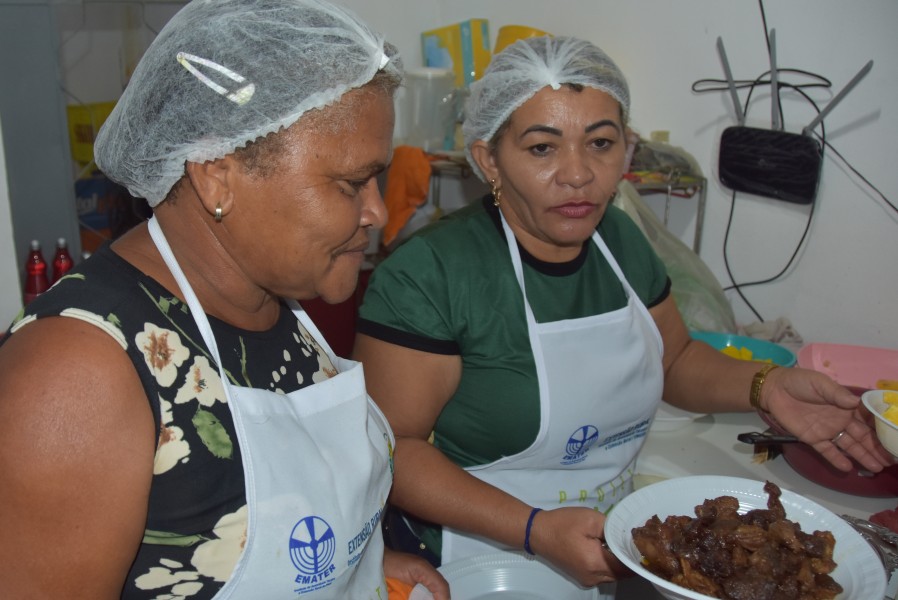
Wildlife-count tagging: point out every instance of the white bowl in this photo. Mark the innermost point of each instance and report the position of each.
(510, 575)
(859, 571)
(886, 431)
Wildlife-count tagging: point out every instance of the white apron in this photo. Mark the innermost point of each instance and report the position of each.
(318, 468)
(600, 381)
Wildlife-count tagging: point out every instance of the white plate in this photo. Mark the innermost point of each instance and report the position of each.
(671, 418)
(859, 570)
(506, 576)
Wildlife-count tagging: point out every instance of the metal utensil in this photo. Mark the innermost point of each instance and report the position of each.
(884, 534)
(883, 540)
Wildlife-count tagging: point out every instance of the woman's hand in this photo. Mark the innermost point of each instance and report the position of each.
(806, 403)
(413, 570)
(817, 410)
(573, 540)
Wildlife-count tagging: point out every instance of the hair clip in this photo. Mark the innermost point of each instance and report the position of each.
(238, 97)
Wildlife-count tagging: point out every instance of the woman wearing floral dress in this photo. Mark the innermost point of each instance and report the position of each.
(172, 425)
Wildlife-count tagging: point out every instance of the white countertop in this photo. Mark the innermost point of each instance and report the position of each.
(708, 446)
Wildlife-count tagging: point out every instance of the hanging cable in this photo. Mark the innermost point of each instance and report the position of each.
(726, 260)
(807, 228)
(814, 80)
(738, 286)
(857, 173)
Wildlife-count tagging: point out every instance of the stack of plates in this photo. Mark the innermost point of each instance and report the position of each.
(506, 576)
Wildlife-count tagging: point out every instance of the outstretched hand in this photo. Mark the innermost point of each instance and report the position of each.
(825, 415)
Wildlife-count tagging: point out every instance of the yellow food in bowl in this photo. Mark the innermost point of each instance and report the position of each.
(881, 404)
(890, 406)
(742, 353)
(891, 413)
(886, 384)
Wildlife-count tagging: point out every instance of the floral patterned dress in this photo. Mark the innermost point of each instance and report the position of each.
(196, 521)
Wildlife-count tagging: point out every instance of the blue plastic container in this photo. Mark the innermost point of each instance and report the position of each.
(761, 350)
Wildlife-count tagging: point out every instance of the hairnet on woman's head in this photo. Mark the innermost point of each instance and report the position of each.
(527, 66)
(223, 73)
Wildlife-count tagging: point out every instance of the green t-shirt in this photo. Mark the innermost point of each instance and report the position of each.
(451, 289)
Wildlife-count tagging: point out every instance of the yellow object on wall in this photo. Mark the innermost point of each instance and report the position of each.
(463, 47)
(509, 34)
(84, 123)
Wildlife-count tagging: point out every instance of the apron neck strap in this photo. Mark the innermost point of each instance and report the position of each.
(596, 238)
(199, 315)
(196, 310)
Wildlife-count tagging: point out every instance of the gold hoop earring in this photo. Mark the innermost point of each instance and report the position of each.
(218, 213)
(497, 193)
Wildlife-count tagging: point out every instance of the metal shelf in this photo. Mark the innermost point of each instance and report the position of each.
(441, 167)
(686, 187)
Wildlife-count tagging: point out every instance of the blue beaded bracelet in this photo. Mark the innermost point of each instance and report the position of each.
(527, 532)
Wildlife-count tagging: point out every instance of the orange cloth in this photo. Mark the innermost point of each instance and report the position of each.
(408, 183)
(398, 590)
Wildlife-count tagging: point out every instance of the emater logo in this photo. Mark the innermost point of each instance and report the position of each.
(579, 443)
(312, 549)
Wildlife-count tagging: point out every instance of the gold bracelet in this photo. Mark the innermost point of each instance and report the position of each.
(757, 383)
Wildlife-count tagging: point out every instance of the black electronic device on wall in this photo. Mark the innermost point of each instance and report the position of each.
(772, 162)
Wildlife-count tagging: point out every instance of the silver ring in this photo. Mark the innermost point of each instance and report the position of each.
(838, 437)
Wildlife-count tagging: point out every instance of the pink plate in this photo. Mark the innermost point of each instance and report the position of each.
(855, 366)
(858, 368)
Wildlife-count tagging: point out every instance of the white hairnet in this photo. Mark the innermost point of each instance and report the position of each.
(527, 66)
(223, 73)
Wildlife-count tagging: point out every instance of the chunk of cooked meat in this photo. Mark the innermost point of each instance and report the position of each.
(759, 555)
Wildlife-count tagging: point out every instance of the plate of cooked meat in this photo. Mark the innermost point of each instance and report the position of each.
(705, 537)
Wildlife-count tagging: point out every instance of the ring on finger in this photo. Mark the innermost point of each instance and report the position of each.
(838, 437)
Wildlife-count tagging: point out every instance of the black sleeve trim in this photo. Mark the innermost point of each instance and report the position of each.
(406, 339)
(663, 296)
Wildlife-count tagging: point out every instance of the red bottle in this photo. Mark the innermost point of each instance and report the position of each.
(62, 262)
(36, 280)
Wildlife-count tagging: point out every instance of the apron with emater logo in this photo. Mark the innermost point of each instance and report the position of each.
(600, 381)
(317, 464)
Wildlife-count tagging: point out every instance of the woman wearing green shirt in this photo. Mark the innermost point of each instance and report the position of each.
(533, 334)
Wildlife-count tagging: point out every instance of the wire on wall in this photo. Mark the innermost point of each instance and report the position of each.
(766, 79)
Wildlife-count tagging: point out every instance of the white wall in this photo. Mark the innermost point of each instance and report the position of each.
(11, 288)
(844, 284)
